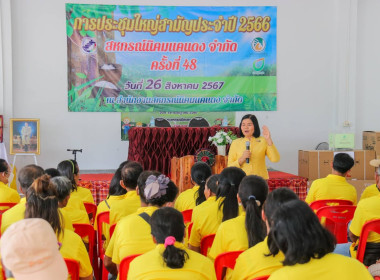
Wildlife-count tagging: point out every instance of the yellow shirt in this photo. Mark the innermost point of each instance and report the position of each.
(17, 213)
(331, 187)
(124, 207)
(230, 236)
(331, 266)
(83, 194)
(132, 235)
(8, 194)
(75, 203)
(259, 149)
(151, 266)
(370, 191)
(73, 248)
(206, 220)
(254, 263)
(76, 216)
(186, 199)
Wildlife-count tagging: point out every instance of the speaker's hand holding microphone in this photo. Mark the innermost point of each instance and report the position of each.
(246, 154)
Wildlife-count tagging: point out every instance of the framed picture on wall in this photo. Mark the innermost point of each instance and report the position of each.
(24, 136)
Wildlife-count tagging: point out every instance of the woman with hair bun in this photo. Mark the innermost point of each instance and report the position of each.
(170, 259)
(188, 199)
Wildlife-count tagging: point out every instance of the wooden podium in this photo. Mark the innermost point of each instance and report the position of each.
(180, 171)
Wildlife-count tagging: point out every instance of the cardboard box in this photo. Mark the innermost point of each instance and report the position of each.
(318, 164)
(371, 141)
(341, 141)
(360, 185)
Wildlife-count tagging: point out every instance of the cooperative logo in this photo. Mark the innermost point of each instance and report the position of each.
(258, 65)
(88, 45)
(258, 44)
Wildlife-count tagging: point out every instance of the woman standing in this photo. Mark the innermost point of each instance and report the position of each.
(248, 152)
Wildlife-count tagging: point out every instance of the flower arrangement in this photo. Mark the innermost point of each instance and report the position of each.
(222, 138)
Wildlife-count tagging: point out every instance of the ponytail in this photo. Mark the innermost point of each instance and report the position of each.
(200, 171)
(254, 224)
(42, 202)
(174, 257)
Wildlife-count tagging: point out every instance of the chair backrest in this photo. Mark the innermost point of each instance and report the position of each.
(224, 261)
(100, 220)
(315, 205)
(124, 266)
(161, 122)
(265, 277)
(84, 230)
(73, 268)
(112, 229)
(91, 211)
(6, 205)
(206, 243)
(187, 214)
(369, 226)
(337, 219)
(199, 122)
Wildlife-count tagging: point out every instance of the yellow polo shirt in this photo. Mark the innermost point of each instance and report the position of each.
(132, 235)
(259, 149)
(124, 207)
(75, 203)
(331, 187)
(230, 236)
(254, 263)
(8, 194)
(186, 199)
(73, 248)
(83, 194)
(368, 209)
(17, 213)
(370, 191)
(206, 220)
(331, 266)
(151, 266)
(76, 216)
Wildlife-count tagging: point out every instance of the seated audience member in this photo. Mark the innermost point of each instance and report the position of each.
(7, 194)
(210, 214)
(26, 176)
(70, 169)
(130, 172)
(52, 172)
(264, 263)
(334, 186)
(170, 259)
(307, 247)
(374, 189)
(247, 229)
(188, 199)
(30, 250)
(115, 193)
(132, 234)
(63, 187)
(42, 202)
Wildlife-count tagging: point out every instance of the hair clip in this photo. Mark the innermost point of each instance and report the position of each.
(156, 186)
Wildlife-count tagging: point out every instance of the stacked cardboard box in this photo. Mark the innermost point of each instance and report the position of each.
(317, 164)
(371, 141)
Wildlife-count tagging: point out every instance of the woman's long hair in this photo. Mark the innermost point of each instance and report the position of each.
(253, 191)
(42, 202)
(69, 168)
(168, 222)
(229, 181)
(200, 171)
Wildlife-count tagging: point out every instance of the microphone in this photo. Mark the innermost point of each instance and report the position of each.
(247, 145)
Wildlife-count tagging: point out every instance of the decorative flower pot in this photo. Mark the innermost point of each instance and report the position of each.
(221, 150)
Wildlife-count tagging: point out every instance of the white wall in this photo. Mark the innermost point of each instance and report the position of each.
(309, 78)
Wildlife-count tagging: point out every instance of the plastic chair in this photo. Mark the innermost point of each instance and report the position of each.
(73, 268)
(337, 219)
(9, 205)
(124, 266)
(206, 243)
(101, 219)
(224, 261)
(187, 214)
(265, 277)
(91, 211)
(315, 205)
(374, 226)
(84, 230)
